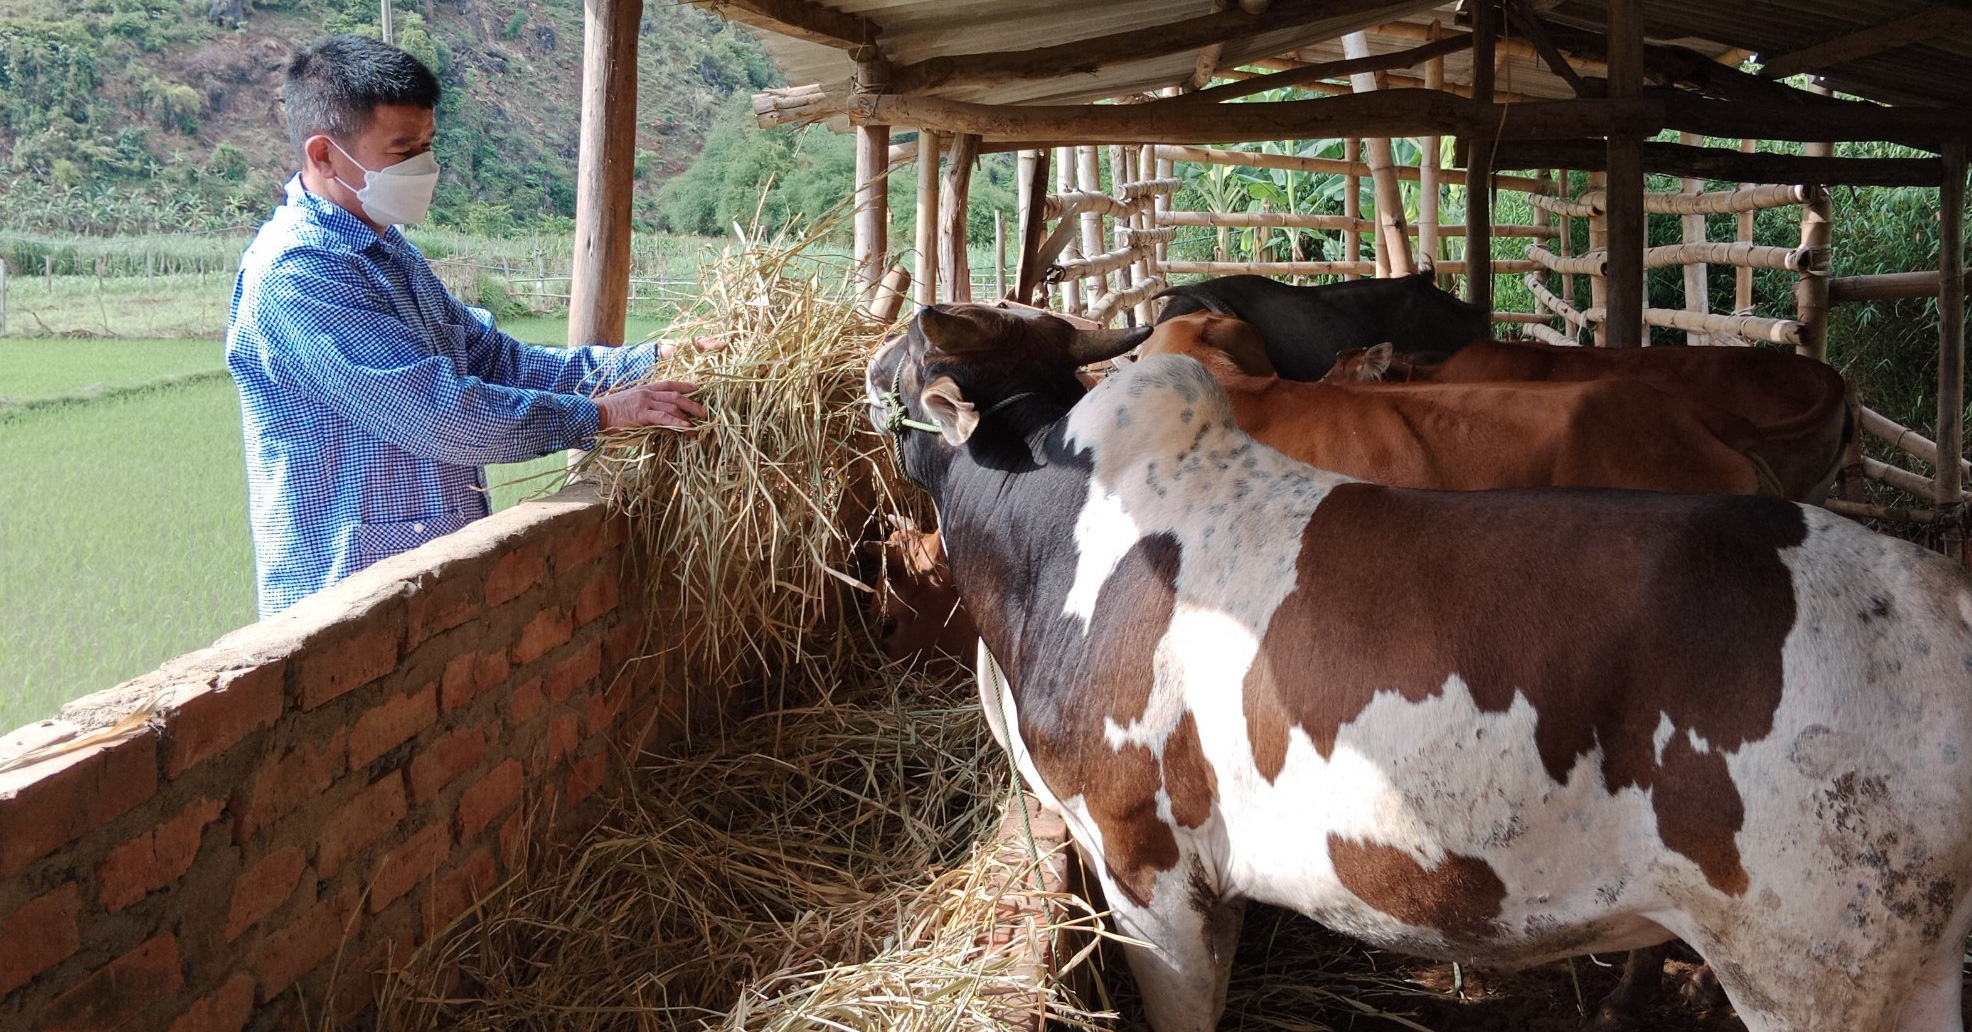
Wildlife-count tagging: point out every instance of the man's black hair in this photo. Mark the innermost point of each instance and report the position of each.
(335, 85)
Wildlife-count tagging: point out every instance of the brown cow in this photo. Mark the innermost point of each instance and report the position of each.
(916, 608)
(1463, 437)
(1801, 409)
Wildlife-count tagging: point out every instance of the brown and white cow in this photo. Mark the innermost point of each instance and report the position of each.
(1498, 726)
(916, 609)
(1801, 409)
(1464, 437)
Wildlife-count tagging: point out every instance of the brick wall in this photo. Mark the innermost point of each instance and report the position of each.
(321, 790)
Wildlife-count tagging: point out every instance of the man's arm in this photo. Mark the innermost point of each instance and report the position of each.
(333, 339)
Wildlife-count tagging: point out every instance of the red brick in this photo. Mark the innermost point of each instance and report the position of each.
(225, 1010)
(439, 606)
(263, 888)
(564, 734)
(444, 760)
(586, 775)
(604, 706)
(39, 934)
(362, 820)
(489, 797)
(291, 952)
(616, 530)
(549, 629)
(401, 869)
(213, 721)
(599, 596)
(154, 859)
(528, 701)
(516, 571)
(580, 545)
(513, 843)
(575, 671)
(391, 723)
(120, 990)
(280, 786)
(343, 666)
(458, 890)
(48, 805)
(468, 675)
(623, 643)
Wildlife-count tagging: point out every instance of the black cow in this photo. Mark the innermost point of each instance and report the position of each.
(1306, 327)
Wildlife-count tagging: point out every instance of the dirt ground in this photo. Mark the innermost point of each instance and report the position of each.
(1294, 976)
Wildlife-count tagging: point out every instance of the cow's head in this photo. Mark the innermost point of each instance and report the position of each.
(1383, 362)
(1221, 343)
(933, 385)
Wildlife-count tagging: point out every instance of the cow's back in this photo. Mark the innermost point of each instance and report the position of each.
(1306, 327)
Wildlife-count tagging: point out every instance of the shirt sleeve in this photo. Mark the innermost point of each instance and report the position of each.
(335, 339)
(498, 358)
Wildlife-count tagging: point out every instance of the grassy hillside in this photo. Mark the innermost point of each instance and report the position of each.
(145, 115)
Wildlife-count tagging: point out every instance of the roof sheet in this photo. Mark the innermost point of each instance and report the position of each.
(1937, 71)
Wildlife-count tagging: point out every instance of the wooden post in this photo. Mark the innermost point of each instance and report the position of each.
(1088, 178)
(1427, 165)
(954, 265)
(1479, 166)
(1352, 200)
(872, 204)
(1566, 242)
(1951, 342)
(1811, 290)
(1599, 241)
(1623, 197)
(1393, 242)
(599, 291)
(1742, 280)
(386, 25)
(1539, 216)
(1695, 296)
(999, 254)
(1033, 196)
(1121, 171)
(1147, 265)
(1064, 175)
(925, 288)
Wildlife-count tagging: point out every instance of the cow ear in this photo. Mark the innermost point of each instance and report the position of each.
(955, 416)
(1376, 361)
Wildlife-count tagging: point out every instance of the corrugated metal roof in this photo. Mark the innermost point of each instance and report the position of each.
(1936, 71)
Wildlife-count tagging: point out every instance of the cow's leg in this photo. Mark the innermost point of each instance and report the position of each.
(1622, 1009)
(1182, 972)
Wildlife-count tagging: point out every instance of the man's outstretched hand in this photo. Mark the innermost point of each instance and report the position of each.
(661, 403)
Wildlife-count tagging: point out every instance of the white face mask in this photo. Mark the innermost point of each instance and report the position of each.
(399, 195)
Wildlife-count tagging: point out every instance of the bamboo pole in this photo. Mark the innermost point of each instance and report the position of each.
(1064, 179)
(1352, 200)
(1359, 268)
(1566, 241)
(1593, 263)
(1951, 342)
(1902, 479)
(926, 285)
(1550, 335)
(1149, 231)
(1693, 231)
(1427, 165)
(872, 224)
(1742, 281)
(1598, 243)
(1161, 204)
(1811, 289)
(1559, 306)
(1539, 217)
(599, 291)
(1088, 176)
(1121, 171)
(1331, 166)
(1862, 510)
(1033, 170)
(1393, 247)
(888, 298)
(954, 201)
(1906, 440)
(1885, 286)
(999, 254)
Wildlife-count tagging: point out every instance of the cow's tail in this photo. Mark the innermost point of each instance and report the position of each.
(1206, 301)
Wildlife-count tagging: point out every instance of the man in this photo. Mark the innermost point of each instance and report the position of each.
(371, 397)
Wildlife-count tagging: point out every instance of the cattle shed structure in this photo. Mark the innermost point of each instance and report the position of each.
(1531, 90)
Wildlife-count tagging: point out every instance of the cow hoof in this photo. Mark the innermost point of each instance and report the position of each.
(1701, 991)
(1612, 1019)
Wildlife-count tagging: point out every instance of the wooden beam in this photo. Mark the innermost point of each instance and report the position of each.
(599, 287)
(1478, 143)
(1033, 186)
(1623, 197)
(1530, 25)
(1887, 286)
(954, 266)
(1093, 54)
(1682, 160)
(1930, 23)
(872, 224)
(1697, 291)
(1294, 163)
(1811, 290)
(801, 19)
(1334, 70)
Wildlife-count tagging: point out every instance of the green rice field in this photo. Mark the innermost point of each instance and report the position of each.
(125, 539)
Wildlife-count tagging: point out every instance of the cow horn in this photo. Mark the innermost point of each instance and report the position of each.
(954, 332)
(1091, 346)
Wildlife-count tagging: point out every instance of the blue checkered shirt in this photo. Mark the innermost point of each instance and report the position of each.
(371, 397)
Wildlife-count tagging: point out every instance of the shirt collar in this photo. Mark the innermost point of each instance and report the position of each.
(336, 220)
